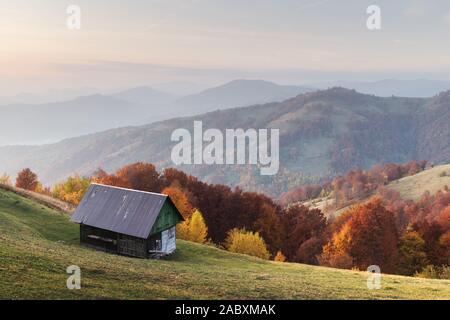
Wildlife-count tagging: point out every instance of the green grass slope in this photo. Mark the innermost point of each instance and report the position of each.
(37, 244)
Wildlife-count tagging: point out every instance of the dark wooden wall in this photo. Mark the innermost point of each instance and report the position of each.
(98, 238)
(113, 242)
(132, 246)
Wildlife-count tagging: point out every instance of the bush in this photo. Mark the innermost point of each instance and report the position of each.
(246, 242)
(279, 257)
(433, 272)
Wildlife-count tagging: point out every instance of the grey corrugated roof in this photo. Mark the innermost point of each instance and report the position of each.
(119, 210)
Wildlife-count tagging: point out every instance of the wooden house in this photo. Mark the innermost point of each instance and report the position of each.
(127, 222)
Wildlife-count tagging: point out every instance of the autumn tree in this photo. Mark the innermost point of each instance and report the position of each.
(5, 180)
(173, 176)
(246, 242)
(279, 257)
(102, 177)
(412, 256)
(198, 231)
(72, 190)
(27, 179)
(40, 188)
(335, 253)
(304, 233)
(437, 250)
(368, 238)
(193, 228)
(183, 230)
(444, 242)
(180, 200)
(268, 225)
(373, 237)
(443, 219)
(140, 176)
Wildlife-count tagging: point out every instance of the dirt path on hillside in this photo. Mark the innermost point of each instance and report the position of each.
(42, 199)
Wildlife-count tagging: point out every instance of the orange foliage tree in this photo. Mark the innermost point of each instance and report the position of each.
(102, 177)
(27, 179)
(368, 238)
(140, 176)
(335, 253)
(180, 200)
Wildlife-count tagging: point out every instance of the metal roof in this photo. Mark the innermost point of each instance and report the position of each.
(120, 210)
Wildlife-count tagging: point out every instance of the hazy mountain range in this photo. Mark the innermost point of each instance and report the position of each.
(45, 121)
(51, 122)
(392, 87)
(321, 134)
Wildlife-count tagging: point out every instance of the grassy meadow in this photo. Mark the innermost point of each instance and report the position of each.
(37, 244)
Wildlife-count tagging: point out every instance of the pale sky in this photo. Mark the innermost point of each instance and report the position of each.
(137, 42)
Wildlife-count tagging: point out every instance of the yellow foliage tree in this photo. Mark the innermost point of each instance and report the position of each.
(246, 242)
(40, 188)
(5, 180)
(72, 190)
(193, 229)
(198, 231)
(279, 257)
(183, 230)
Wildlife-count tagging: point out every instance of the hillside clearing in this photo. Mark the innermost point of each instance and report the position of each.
(409, 188)
(37, 244)
(432, 180)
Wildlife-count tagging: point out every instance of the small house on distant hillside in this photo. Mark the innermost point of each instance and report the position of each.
(128, 222)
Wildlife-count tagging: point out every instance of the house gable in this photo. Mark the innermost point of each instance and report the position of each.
(168, 217)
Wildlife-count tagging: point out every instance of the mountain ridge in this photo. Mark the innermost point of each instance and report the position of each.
(322, 134)
(52, 122)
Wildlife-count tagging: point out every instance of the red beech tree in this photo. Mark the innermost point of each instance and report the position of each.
(27, 179)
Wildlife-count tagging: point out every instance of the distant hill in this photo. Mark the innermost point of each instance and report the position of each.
(51, 122)
(412, 187)
(145, 96)
(321, 134)
(43, 123)
(193, 272)
(391, 87)
(180, 88)
(49, 96)
(432, 180)
(237, 93)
